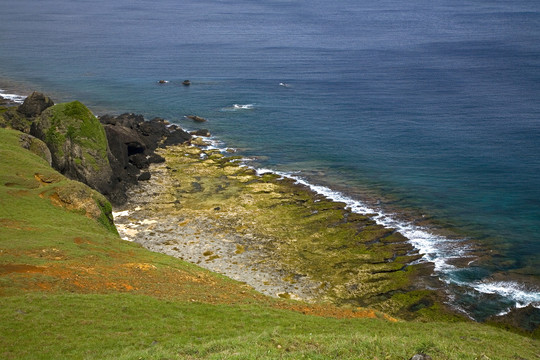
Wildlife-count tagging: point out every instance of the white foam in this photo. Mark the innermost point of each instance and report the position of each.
(509, 289)
(239, 107)
(436, 249)
(121, 213)
(13, 97)
(244, 107)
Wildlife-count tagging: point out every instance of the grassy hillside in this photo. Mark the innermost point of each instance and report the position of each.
(70, 288)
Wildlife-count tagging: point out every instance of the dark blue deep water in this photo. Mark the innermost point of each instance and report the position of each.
(424, 112)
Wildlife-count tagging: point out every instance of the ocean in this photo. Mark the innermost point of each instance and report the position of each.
(425, 114)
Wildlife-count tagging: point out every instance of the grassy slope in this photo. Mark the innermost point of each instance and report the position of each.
(70, 288)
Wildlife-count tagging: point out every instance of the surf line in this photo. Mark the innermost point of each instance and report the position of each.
(436, 249)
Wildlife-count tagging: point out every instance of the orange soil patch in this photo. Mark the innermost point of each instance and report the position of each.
(327, 310)
(80, 241)
(166, 282)
(20, 268)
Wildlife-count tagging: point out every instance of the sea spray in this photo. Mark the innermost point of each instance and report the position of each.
(12, 97)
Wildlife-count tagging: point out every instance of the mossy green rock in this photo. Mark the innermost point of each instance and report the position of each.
(77, 142)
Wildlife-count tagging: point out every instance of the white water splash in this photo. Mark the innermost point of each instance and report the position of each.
(13, 97)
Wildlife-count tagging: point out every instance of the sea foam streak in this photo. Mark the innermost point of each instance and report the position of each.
(436, 249)
(239, 107)
(13, 97)
(509, 289)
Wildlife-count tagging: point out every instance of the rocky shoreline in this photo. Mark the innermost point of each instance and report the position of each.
(277, 236)
(280, 237)
(151, 219)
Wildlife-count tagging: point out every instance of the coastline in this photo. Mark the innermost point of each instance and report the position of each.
(290, 283)
(278, 236)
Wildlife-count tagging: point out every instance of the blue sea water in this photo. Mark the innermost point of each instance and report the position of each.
(425, 113)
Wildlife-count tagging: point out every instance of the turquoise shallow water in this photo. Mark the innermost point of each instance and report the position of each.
(426, 113)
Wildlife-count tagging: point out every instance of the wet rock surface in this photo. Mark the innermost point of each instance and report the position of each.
(155, 219)
(277, 236)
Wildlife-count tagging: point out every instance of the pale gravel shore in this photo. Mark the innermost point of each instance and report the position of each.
(152, 219)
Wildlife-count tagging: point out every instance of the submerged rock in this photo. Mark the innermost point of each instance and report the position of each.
(201, 132)
(196, 118)
(526, 318)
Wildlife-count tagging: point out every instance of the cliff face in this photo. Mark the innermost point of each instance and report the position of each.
(108, 156)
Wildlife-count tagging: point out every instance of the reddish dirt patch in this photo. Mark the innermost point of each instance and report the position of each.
(162, 282)
(80, 240)
(20, 268)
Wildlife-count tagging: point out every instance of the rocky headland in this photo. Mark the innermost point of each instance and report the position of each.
(108, 154)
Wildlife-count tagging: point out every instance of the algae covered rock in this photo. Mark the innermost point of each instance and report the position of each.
(77, 143)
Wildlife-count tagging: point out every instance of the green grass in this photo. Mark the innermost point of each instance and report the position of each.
(80, 292)
(139, 327)
(131, 327)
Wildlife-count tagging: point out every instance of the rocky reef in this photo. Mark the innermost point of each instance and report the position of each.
(276, 235)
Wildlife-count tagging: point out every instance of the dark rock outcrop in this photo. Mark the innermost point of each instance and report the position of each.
(201, 132)
(176, 136)
(144, 176)
(35, 104)
(156, 159)
(132, 145)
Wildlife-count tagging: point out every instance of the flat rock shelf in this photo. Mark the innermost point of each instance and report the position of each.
(277, 236)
